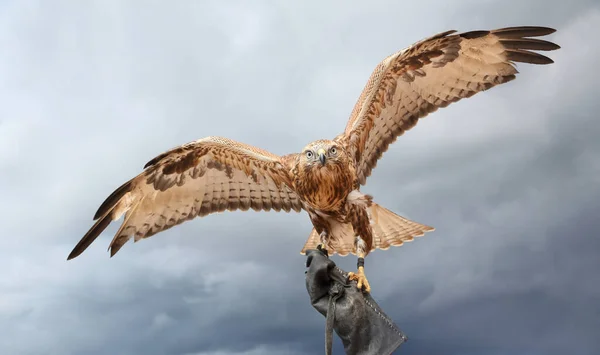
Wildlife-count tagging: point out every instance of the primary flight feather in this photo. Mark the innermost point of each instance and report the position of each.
(215, 174)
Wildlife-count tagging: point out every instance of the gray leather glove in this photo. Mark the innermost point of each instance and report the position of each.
(362, 326)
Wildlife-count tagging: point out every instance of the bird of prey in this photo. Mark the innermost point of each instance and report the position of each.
(216, 174)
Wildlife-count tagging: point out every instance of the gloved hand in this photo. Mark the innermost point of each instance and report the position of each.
(356, 318)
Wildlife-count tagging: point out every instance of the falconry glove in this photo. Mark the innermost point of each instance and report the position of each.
(362, 326)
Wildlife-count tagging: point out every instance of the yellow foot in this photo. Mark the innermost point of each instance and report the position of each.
(360, 278)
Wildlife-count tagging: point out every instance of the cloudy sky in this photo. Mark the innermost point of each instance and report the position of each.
(92, 90)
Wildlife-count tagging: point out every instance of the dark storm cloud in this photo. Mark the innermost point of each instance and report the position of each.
(543, 301)
(509, 178)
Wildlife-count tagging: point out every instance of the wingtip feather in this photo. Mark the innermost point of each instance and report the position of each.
(523, 56)
(90, 236)
(113, 199)
(523, 31)
(529, 43)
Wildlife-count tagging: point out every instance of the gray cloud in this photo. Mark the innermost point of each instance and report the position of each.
(92, 91)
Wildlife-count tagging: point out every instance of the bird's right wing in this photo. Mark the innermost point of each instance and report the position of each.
(209, 175)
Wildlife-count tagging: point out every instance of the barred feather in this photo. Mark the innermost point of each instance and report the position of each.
(389, 229)
(433, 74)
(206, 176)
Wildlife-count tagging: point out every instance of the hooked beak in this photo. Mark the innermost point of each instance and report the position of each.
(321, 154)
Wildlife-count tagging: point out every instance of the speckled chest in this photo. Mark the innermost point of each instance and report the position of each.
(325, 188)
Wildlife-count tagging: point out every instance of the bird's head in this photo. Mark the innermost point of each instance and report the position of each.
(322, 154)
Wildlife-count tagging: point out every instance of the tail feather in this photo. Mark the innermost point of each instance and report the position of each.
(389, 229)
(311, 242)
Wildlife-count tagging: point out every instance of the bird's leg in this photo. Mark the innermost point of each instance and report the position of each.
(323, 245)
(359, 276)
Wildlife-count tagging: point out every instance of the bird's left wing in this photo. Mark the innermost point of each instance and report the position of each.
(209, 175)
(430, 74)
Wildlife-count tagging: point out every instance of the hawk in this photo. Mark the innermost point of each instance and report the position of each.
(216, 174)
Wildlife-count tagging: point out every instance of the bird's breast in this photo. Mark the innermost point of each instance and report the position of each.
(325, 189)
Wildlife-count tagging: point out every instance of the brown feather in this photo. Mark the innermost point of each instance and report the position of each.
(529, 43)
(389, 229)
(113, 199)
(518, 55)
(523, 31)
(90, 236)
(432, 74)
(207, 176)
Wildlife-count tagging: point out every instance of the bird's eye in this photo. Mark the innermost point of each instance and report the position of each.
(333, 151)
(309, 154)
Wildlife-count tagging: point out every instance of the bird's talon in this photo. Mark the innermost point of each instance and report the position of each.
(361, 279)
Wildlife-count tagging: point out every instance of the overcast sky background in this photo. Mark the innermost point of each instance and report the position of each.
(510, 178)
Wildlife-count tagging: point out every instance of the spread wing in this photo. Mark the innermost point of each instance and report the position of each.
(209, 175)
(430, 74)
